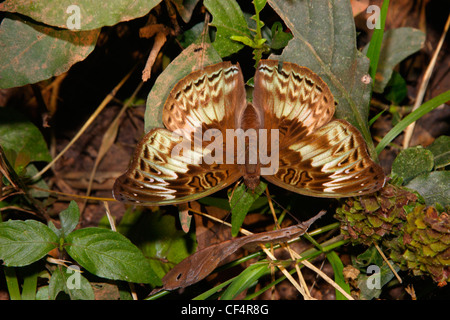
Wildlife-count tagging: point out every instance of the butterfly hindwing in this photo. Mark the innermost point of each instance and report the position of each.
(332, 162)
(161, 173)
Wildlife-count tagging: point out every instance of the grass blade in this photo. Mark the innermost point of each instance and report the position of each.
(30, 278)
(245, 280)
(373, 52)
(413, 116)
(12, 283)
(371, 121)
(205, 295)
(338, 268)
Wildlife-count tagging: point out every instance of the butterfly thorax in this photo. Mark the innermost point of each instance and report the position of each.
(251, 121)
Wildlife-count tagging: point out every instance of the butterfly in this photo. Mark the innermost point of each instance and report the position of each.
(317, 155)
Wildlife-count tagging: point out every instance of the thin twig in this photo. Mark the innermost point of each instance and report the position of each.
(302, 281)
(388, 263)
(108, 139)
(160, 40)
(423, 86)
(305, 262)
(266, 251)
(324, 276)
(71, 196)
(91, 119)
(110, 217)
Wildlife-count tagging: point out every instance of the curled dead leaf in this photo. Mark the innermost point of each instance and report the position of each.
(200, 264)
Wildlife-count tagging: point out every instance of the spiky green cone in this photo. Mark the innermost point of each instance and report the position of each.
(415, 236)
(424, 246)
(367, 219)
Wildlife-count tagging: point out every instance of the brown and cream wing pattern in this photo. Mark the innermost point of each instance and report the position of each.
(161, 173)
(295, 100)
(331, 162)
(207, 98)
(318, 156)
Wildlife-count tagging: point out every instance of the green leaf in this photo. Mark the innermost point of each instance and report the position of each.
(372, 282)
(69, 218)
(368, 257)
(245, 280)
(110, 255)
(259, 5)
(24, 242)
(189, 36)
(72, 282)
(56, 284)
(396, 90)
(375, 273)
(325, 42)
(338, 269)
(215, 202)
(215, 290)
(42, 293)
(412, 162)
(374, 47)
(241, 203)
(372, 121)
(161, 242)
(245, 40)
(33, 52)
(280, 39)
(229, 21)
(441, 151)
(22, 141)
(93, 14)
(31, 171)
(397, 45)
(260, 42)
(192, 58)
(434, 187)
(410, 118)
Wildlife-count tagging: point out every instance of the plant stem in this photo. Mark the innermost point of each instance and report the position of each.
(12, 283)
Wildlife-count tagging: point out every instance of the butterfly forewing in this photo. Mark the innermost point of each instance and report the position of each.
(207, 98)
(295, 100)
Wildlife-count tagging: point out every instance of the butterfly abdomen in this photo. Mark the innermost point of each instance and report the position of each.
(251, 122)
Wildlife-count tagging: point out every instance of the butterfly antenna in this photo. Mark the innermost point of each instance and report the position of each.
(283, 208)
